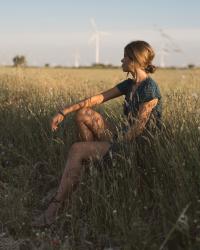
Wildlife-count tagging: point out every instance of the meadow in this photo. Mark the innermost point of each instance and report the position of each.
(116, 206)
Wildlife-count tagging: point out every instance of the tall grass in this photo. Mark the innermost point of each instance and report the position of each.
(149, 203)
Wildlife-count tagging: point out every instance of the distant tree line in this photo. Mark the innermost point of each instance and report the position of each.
(103, 66)
(20, 61)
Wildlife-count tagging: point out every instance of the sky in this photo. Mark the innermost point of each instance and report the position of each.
(58, 32)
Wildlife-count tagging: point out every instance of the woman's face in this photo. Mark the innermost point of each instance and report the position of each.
(127, 63)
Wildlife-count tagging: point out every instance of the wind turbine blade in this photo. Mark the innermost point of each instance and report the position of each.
(166, 36)
(178, 50)
(102, 33)
(92, 38)
(165, 50)
(93, 23)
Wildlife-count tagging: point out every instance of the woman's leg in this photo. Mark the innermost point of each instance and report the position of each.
(78, 152)
(92, 126)
(71, 176)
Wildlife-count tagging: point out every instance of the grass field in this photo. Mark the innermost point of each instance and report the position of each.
(110, 207)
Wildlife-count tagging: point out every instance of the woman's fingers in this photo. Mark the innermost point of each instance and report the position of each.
(54, 125)
(54, 128)
(55, 122)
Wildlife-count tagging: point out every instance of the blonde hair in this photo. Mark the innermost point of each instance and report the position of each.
(142, 54)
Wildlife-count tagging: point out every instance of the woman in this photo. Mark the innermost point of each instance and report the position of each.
(142, 108)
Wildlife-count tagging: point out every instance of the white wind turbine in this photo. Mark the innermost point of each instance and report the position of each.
(96, 37)
(77, 59)
(167, 46)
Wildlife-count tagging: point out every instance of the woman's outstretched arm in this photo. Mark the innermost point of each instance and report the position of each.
(89, 102)
(94, 100)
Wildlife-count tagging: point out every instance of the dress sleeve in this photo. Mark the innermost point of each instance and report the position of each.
(124, 86)
(149, 92)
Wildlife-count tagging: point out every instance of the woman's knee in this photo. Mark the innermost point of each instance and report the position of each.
(82, 113)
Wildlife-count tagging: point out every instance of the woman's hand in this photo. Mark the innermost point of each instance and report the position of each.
(57, 119)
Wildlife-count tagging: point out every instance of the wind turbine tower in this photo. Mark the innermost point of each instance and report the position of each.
(77, 59)
(96, 37)
(163, 52)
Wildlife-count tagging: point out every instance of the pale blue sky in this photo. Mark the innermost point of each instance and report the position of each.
(53, 31)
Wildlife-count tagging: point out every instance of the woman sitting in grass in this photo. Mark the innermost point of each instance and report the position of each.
(142, 108)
